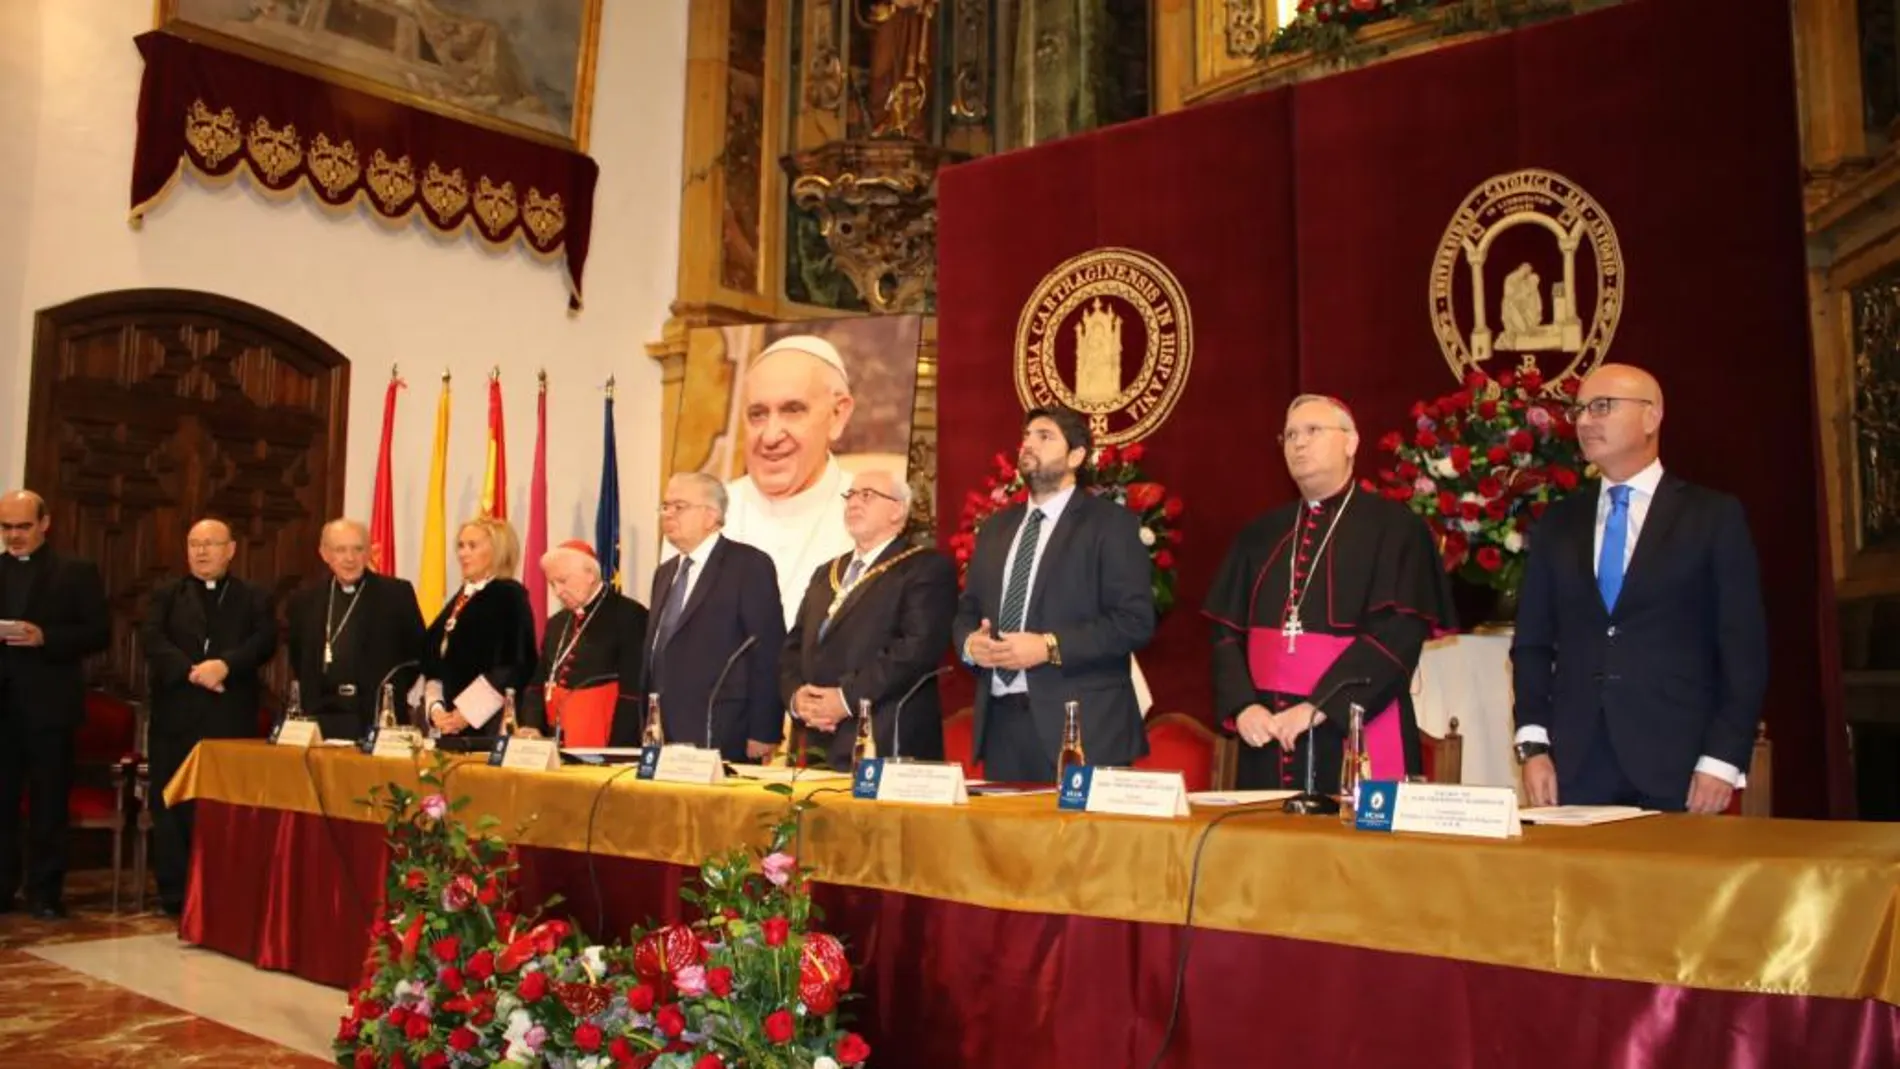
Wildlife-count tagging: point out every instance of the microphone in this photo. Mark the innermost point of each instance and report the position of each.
(897, 718)
(1310, 802)
(750, 641)
(383, 682)
(559, 723)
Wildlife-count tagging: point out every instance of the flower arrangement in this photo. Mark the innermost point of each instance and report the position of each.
(1117, 477)
(457, 976)
(1481, 464)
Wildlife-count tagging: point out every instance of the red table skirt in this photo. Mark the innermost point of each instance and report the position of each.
(952, 986)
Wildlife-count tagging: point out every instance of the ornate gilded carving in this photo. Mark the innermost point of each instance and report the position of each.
(393, 183)
(970, 60)
(214, 137)
(445, 194)
(543, 216)
(824, 67)
(876, 202)
(1245, 28)
(1877, 408)
(274, 151)
(334, 166)
(900, 33)
(495, 205)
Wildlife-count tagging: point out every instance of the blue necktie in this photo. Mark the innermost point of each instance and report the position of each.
(1016, 591)
(675, 604)
(850, 580)
(1616, 532)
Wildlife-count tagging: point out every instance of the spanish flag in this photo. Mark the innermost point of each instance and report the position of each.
(382, 508)
(531, 575)
(432, 579)
(495, 476)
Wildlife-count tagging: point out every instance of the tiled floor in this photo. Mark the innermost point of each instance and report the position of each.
(99, 990)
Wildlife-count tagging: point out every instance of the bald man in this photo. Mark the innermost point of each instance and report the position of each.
(52, 617)
(1641, 652)
(350, 634)
(797, 403)
(206, 637)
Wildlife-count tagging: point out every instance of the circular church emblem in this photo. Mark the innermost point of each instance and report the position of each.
(1531, 266)
(1109, 335)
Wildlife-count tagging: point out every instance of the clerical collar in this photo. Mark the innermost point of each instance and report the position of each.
(347, 588)
(21, 558)
(1329, 500)
(213, 584)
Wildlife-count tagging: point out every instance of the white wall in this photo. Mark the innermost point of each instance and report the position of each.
(69, 78)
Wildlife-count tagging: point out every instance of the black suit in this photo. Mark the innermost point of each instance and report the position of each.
(383, 631)
(1675, 673)
(186, 624)
(613, 644)
(735, 598)
(493, 640)
(42, 705)
(1093, 591)
(890, 631)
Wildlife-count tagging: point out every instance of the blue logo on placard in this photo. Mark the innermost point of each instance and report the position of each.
(1073, 792)
(1378, 800)
(500, 751)
(649, 762)
(870, 772)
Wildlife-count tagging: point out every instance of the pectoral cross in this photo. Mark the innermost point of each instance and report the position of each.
(326, 654)
(1292, 629)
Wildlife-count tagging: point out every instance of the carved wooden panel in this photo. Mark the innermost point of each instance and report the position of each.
(154, 408)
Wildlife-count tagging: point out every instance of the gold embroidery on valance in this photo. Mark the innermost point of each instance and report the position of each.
(215, 137)
(335, 166)
(392, 183)
(543, 215)
(276, 152)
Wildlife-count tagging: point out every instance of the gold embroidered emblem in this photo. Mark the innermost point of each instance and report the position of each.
(214, 137)
(1532, 221)
(544, 216)
(392, 183)
(334, 166)
(275, 152)
(495, 206)
(446, 194)
(1080, 326)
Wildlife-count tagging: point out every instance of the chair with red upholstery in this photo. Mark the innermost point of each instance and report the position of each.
(1444, 757)
(105, 753)
(959, 742)
(1181, 743)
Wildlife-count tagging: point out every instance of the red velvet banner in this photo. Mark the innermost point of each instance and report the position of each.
(948, 985)
(1304, 225)
(218, 112)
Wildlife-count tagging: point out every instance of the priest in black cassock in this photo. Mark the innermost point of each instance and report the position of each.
(587, 684)
(350, 634)
(1341, 585)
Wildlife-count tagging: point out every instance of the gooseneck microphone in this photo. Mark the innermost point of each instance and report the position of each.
(713, 698)
(897, 718)
(1310, 802)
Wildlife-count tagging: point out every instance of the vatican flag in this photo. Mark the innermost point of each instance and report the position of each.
(432, 579)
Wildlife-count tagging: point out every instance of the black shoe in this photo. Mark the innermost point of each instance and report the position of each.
(49, 911)
(172, 909)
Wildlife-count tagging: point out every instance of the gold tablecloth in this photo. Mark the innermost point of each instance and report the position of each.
(1786, 907)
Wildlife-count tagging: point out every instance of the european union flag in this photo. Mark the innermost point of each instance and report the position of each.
(607, 514)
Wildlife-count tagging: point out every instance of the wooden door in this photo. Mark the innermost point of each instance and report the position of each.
(151, 409)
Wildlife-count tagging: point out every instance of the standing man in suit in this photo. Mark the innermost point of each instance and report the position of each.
(206, 636)
(711, 598)
(52, 617)
(1642, 650)
(351, 633)
(873, 623)
(1058, 600)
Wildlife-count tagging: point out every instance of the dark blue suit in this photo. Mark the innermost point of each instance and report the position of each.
(734, 598)
(1632, 698)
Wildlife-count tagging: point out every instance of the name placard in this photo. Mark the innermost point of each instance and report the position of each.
(535, 755)
(1439, 809)
(682, 764)
(916, 782)
(401, 743)
(296, 733)
(1128, 792)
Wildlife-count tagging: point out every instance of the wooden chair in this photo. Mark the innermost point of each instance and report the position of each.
(1181, 743)
(105, 753)
(959, 741)
(1444, 757)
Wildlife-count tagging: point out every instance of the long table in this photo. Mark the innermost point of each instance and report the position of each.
(1007, 933)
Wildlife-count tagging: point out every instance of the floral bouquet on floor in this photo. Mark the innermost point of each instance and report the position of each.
(1480, 465)
(1117, 477)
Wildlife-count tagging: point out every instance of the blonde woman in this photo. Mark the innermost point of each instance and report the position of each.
(482, 642)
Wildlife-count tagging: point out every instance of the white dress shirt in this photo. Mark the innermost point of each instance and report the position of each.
(699, 556)
(1642, 494)
(1051, 510)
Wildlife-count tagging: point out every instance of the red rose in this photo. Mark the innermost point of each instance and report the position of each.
(1173, 508)
(1407, 470)
(396, 1061)
(435, 1060)
(489, 895)
(776, 930)
(1144, 496)
(1461, 400)
(459, 894)
(398, 1017)
(719, 981)
(1456, 547)
(417, 1028)
(1507, 379)
(621, 1050)
(482, 965)
(1447, 503)
(534, 986)
(852, 1049)
(505, 925)
(1469, 511)
(450, 979)
(587, 1037)
(369, 1010)
(1495, 510)
(1426, 440)
(1107, 458)
(464, 1039)
(1487, 409)
(1489, 558)
(366, 1058)
(1537, 509)
(1522, 442)
(416, 880)
(641, 998)
(1132, 454)
(1489, 487)
(1474, 380)
(779, 1027)
(670, 1021)
(1565, 478)
(1461, 458)
(1164, 560)
(347, 1029)
(547, 935)
(1498, 456)
(447, 948)
(1391, 442)
(1418, 407)
(1533, 380)
(709, 1061)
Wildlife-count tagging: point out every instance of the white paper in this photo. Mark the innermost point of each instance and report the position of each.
(1239, 797)
(1582, 816)
(300, 733)
(689, 764)
(781, 774)
(417, 693)
(478, 702)
(396, 742)
(1144, 698)
(1133, 792)
(1456, 809)
(923, 783)
(535, 755)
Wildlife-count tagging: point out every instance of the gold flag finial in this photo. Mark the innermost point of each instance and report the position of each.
(394, 374)
(494, 373)
(610, 387)
(445, 376)
(541, 377)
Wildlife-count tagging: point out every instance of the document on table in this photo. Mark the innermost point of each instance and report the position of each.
(1238, 797)
(781, 774)
(1581, 816)
(1001, 788)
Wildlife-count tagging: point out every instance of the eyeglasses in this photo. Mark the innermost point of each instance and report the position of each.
(1601, 406)
(198, 544)
(667, 508)
(865, 495)
(1304, 434)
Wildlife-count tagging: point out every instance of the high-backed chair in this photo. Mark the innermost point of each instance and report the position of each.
(104, 754)
(959, 742)
(1444, 757)
(1181, 743)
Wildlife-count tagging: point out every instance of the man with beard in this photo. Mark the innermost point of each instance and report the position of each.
(350, 634)
(1336, 587)
(1058, 601)
(206, 638)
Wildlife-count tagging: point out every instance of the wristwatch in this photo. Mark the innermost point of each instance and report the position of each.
(1528, 750)
(1055, 650)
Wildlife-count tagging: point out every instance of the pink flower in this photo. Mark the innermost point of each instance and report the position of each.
(691, 980)
(779, 868)
(1424, 486)
(435, 807)
(1539, 416)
